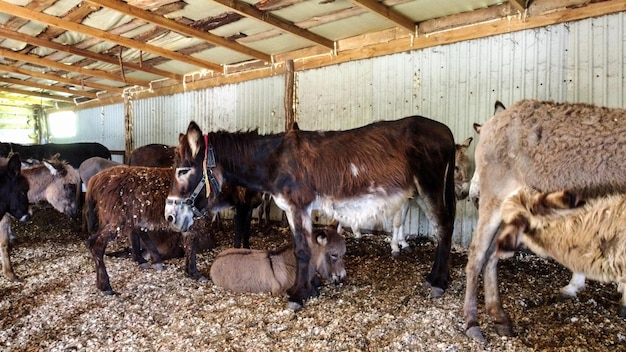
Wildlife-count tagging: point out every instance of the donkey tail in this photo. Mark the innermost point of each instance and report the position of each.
(449, 200)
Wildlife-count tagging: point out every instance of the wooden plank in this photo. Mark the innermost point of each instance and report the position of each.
(161, 21)
(44, 43)
(37, 94)
(519, 5)
(391, 15)
(80, 93)
(118, 39)
(75, 82)
(63, 67)
(245, 9)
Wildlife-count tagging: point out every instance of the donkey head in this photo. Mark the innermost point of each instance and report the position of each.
(462, 170)
(194, 181)
(526, 212)
(59, 187)
(328, 250)
(13, 189)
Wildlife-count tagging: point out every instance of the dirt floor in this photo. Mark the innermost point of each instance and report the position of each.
(381, 307)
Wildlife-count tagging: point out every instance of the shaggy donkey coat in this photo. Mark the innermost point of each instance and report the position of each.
(588, 238)
(545, 146)
(129, 200)
(245, 270)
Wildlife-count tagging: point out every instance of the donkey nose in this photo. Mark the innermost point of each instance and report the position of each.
(170, 218)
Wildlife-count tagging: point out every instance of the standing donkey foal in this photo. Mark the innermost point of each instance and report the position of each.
(387, 163)
(588, 237)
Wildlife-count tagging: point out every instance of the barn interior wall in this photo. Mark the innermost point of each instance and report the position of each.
(104, 124)
(456, 84)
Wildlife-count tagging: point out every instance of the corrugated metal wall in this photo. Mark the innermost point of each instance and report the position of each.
(456, 84)
(242, 106)
(104, 125)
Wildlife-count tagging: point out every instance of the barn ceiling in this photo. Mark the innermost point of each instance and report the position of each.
(55, 53)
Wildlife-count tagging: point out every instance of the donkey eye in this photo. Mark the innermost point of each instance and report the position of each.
(182, 171)
(334, 256)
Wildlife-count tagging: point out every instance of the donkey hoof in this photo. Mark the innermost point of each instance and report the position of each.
(622, 312)
(294, 306)
(407, 249)
(436, 292)
(159, 266)
(203, 279)
(395, 254)
(144, 266)
(109, 293)
(475, 334)
(504, 329)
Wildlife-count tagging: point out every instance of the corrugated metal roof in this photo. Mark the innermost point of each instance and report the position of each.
(70, 51)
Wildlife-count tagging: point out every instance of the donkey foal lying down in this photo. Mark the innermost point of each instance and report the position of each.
(246, 270)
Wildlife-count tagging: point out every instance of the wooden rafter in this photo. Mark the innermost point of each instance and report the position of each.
(387, 13)
(74, 82)
(37, 94)
(519, 5)
(248, 10)
(61, 66)
(80, 93)
(161, 21)
(118, 39)
(85, 53)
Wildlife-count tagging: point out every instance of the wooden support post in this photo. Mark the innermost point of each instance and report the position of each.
(289, 95)
(128, 124)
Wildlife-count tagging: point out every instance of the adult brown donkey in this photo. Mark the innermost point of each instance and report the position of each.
(367, 172)
(545, 146)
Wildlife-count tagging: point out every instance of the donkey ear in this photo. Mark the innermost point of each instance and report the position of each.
(194, 137)
(49, 166)
(321, 238)
(507, 241)
(477, 127)
(499, 107)
(465, 144)
(14, 166)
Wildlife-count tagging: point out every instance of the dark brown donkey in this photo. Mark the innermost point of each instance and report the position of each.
(366, 172)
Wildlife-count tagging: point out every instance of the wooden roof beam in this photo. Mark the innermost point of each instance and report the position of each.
(37, 94)
(245, 9)
(167, 23)
(519, 5)
(74, 82)
(81, 93)
(389, 14)
(106, 36)
(63, 67)
(85, 53)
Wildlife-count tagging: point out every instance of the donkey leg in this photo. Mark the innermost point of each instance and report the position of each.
(242, 226)
(443, 222)
(301, 226)
(5, 228)
(621, 287)
(576, 283)
(190, 243)
(155, 256)
(479, 251)
(135, 249)
(97, 244)
(493, 304)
